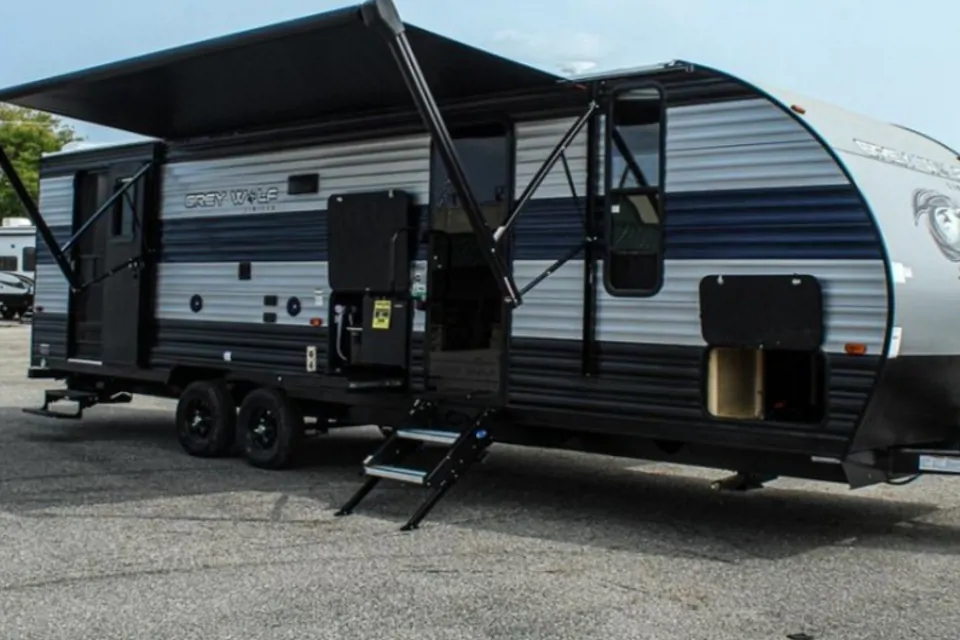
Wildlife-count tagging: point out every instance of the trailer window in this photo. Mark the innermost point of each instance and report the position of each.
(29, 258)
(635, 225)
(8, 263)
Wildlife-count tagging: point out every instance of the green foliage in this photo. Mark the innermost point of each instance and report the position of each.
(25, 135)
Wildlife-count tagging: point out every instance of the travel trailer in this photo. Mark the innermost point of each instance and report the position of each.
(18, 245)
(17, 266)
(380, 225)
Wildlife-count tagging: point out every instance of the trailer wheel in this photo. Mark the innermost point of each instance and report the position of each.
(206, 419)
(272, 428)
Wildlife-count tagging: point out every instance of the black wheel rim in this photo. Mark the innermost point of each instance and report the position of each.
(198, 420)
(263, 429)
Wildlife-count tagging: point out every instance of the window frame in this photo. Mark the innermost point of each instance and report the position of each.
(611, 193)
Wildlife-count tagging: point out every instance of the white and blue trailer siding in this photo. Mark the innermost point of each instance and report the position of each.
(750, 190)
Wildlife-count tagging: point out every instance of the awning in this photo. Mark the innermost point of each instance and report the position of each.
(328, 65)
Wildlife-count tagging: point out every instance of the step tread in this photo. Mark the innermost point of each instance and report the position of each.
(398, 469)
(437, 435)
(403, 474)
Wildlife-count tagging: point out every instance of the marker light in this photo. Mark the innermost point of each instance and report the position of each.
(855, 349)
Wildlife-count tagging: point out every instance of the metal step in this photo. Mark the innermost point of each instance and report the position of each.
(82, 399)
(402, 474)
(464, 448)
(438, 436)
(47, 413)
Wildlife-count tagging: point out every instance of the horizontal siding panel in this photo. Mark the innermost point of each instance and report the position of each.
(819, 222)
(227, 299)
(270, 237)
(250, 346)
(50, 329)
(851, 381)
(650, 384)
(548, 229)
(52, 293)
(742, 144)
(804, 223)
(731, 124)
(56, 201)
(534, 143)
(752, 166)
(554, 308)
(394, 163)
(855, 302)
(284, 237)
(661, 384)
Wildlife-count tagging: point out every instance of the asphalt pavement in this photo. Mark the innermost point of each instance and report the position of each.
(108, 530)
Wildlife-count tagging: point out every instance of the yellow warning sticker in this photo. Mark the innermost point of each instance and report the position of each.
(381, 314)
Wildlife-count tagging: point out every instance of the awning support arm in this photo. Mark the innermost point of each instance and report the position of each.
(383, 15)
(30, 207)
(545, 169)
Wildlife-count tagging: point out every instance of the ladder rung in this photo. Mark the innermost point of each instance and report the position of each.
(403, 474)
(429, 435)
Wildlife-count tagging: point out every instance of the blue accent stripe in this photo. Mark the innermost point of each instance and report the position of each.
(549, 228)
(270, 237)
(802, 223)
(274, 237)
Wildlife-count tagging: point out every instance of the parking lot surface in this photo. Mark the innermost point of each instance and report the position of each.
(109, 530)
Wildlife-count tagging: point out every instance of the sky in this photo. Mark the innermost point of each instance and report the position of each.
(871, 56)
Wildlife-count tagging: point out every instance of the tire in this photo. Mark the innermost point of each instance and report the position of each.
(272, 429)
(207, 419)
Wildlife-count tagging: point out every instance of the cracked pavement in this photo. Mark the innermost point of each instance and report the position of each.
(108, 530)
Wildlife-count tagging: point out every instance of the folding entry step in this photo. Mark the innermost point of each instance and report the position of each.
(463, 448)
(83, 400)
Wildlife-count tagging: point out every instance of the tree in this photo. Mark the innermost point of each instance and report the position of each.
(25, 135)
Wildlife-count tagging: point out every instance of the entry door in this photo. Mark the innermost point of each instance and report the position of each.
(89, 254)
(126, 291)
(467, 322)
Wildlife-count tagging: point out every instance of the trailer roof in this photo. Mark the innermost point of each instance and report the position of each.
(326, 65)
